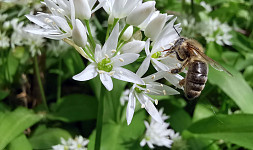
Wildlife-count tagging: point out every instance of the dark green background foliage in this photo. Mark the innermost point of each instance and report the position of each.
(221, 118)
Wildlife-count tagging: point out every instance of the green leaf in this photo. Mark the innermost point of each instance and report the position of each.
(4, 94)
(235, 87)
(202, 111)
(20, 143)
(75, 107)
(120, 136)
(236, 129)
(14, 123)
(241, 43)
(46, 138)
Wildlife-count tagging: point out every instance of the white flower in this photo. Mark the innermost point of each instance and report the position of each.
(158, 134)
(108, 65)
(120, 8)
(142, 11)
(83, 8)
(124, 97)
(79, 143)
(163, 41)
(140, 92)
(55, 25)
(206, 6)
(4, 41)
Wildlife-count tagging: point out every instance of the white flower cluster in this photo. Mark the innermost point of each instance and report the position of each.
(159, 134)
(215, 31)
(69, 21)
(79, 143)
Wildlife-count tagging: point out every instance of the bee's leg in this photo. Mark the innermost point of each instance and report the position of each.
(177, 70)
(181, 82)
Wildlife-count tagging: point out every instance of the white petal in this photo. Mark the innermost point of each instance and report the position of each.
(174, 79)
(155, 26)
(144, 66)
(38, 20)
(156, 76)
(82, 9)
(150, 108)
(142, 11)
(160, 89)
(72, 11)
(112, 41)
(62, 23)
(79, 34)
(130, 106)
(107, 81)
(124, 59)
(88, 73)
(147, 44)
(159, 66)
(133, 47)
(98, 53)
(126, 75)
(101, 4)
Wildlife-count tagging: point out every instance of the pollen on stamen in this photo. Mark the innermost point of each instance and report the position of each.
(153, 77)
(47, 20)
(52, 9)
(164, 92)
(161, 85)
(113, 51)
(121, 59)
(101, 71)
(111, 73)
(143, 106)
(148, 90)
(106, 56)
(156, 101)
(60, 10)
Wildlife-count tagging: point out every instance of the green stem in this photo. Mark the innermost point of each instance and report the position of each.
(100, 118)
(37, 73)
(192, 7)
(90, 35)
(59, 81)
(108, 31)
(123, 31)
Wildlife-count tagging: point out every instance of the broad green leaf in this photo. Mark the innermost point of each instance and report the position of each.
(20, 143)
(236, 129)
(247, 74)
(120, 136)
(13, 64)
(75, 107)
(202, 111)
(234, 86)
(3, 94)
(14, 123)
(46, 138)
(241, 43)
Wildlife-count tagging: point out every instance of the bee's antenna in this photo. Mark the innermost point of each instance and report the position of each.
(176, 31)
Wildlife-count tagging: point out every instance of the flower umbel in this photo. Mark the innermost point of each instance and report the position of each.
(159, 134)
(79, 143)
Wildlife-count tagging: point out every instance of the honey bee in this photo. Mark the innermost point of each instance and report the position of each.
(191, 54)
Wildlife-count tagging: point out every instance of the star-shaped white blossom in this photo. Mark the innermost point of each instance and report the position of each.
(109, 65)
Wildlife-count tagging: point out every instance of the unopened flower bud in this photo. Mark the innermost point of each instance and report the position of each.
(140, 13)
(82, 9)
(79, 33)
(128, 33)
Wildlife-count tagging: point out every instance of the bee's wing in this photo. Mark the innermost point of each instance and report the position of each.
(213, 63)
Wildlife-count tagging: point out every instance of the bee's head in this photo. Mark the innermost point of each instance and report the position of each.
(179, 41)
